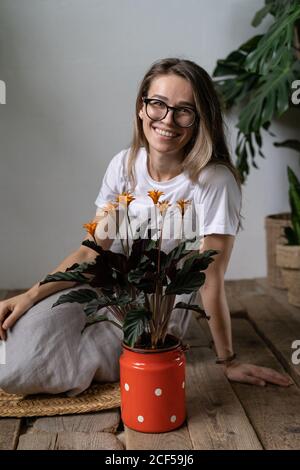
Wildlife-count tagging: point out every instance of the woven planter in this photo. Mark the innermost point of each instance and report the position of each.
(274, 225)
(288, 259)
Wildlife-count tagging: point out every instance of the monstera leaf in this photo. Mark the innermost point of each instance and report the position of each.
(258, 78)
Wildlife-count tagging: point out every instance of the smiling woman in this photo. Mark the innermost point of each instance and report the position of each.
(179, 150)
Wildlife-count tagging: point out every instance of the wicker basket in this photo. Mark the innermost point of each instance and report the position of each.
(274, 225)
(288, 259)
(288, 256)
(292, 281)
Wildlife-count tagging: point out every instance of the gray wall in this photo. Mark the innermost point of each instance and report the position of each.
(72, 69)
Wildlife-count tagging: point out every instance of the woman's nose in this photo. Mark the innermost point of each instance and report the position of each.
(168, 119)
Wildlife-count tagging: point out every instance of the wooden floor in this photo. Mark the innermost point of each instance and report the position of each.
(221, 415)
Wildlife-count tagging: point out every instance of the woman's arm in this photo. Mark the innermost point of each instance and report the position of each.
(13, 308)
(215, 304)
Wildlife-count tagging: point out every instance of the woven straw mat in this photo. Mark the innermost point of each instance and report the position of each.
(97, 397)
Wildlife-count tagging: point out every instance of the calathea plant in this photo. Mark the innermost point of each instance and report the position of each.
(138, 287)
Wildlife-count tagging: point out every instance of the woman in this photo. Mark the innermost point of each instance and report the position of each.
(179, 148)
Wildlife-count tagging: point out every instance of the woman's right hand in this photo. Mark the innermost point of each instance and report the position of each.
(12, 309)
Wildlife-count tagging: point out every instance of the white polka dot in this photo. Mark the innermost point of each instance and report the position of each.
(173, 419)
(126, 386)
(158, 392)
(140, 419)
(183, 384)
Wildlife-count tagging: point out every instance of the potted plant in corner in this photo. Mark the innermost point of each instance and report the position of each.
(258, 78)
(288, 255)
(136, 291)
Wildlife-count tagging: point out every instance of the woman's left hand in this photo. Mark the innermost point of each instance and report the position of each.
(256, 375)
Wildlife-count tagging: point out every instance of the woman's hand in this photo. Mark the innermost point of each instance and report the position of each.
(12, 309)
(256, 375)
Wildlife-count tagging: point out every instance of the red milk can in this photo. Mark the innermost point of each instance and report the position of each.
(152, 385)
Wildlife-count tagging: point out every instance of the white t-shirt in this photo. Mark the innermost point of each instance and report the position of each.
(216, 191)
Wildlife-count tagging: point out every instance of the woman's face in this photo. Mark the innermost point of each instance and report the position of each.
(174, 91)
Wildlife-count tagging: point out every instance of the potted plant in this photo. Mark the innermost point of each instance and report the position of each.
(136, 291)
(288, 255)
(258, 77)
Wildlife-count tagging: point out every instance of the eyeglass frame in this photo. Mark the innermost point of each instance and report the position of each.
(172, 108)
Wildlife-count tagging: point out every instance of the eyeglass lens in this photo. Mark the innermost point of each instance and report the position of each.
(157, 110)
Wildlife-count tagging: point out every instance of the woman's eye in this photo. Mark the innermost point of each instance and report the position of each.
(157, 103)
(184, 110)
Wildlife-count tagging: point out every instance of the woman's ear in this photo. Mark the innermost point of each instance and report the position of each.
(141, 113)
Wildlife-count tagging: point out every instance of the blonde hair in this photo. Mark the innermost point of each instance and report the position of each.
(208, 143)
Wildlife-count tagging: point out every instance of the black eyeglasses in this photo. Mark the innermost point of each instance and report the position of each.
(157, 110)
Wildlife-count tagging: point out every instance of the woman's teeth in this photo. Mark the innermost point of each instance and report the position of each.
(165, 133)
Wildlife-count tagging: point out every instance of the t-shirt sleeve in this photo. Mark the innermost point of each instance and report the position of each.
(219, 197)
(114, 180)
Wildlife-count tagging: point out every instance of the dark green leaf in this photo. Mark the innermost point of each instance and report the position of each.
(135, 324)
(93, 246)
(260, 15)
(68, 276)
(193, 307)
(291, 143)
(80, 296)
(185, 284)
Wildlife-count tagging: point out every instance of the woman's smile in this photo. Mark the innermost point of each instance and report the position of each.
(164, 133)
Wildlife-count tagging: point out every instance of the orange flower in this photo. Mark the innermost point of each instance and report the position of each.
(91, 228)
(125, 198)
(163, 206)
(110, 206)
(182, 204)
(155, 195)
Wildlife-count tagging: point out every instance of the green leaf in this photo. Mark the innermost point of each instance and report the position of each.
(93, 246)
(80, 296)
(260, 15)
(135, 324)
(96, 318)
(291, 236)
(279, 37)
(193, 307)
(290, 143)
(68, 276)
(185, 284)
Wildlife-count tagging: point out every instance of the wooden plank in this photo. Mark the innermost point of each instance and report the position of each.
(278, 326)
(216, 419)
(273, 411)
(174, 440)
(69, 441)
(195, 336)
(3, 294)
(90, 441)
(243, 287)
(280, 295)
(6, 294)
(104, 421)
(237, 288)
(9, 433)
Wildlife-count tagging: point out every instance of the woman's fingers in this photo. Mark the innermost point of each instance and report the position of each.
(256, 375)
(4, 311)
(272, 376)
(2, 333)
(12, 318)
(250, 379)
